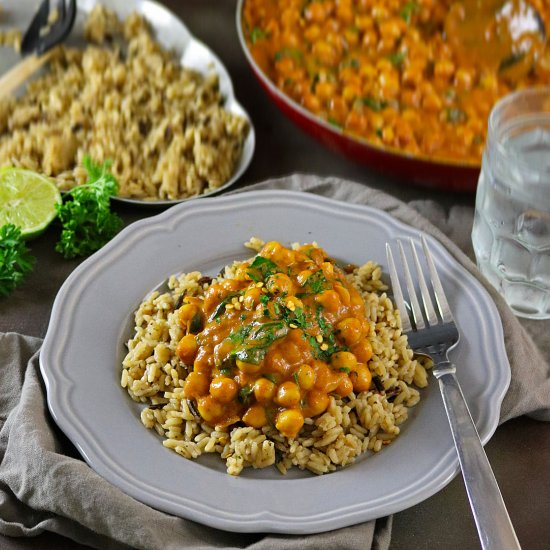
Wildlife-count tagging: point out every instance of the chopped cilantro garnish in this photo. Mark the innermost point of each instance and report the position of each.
(408, 10)
(220, 308)
(270, 377)
(317, 282)
(300, 317)
(456, 115)
(261, 268)
(240, 335)
(510, 61)
(257, 34)
(244, 394)
(296, 379)
(347, 370)
(397, 58)
(376, 105)
(293, 53)
(253, 340)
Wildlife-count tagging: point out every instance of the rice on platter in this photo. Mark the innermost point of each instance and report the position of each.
(285, 359)
(123, 98)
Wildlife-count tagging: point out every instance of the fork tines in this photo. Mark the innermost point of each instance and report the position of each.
(421, 317)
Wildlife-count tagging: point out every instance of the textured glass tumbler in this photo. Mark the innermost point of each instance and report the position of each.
(511, 233)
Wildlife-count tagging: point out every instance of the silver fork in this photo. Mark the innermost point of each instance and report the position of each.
(435, 335)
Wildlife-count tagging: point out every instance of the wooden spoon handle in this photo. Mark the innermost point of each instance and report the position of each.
(18, 74)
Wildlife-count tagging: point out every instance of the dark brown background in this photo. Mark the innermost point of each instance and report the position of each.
(520, 449)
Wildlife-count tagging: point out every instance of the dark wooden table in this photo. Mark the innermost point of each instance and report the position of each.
(520, 449)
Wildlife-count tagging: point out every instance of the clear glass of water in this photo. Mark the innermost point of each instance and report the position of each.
(511, 233)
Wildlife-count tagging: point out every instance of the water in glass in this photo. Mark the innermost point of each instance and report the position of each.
(511, 233)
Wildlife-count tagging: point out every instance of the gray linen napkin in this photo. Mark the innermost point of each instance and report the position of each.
(44, 486)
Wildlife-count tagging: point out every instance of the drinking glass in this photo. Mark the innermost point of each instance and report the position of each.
(511, 233)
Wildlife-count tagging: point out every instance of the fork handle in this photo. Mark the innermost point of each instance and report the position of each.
(494, 527)
(12, 79)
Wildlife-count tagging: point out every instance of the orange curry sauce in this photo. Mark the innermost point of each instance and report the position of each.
(270, 345)
(419, 76)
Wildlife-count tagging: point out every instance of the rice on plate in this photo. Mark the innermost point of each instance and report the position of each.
(285, 359)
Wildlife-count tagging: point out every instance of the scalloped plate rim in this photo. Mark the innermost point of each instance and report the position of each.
(266, 519)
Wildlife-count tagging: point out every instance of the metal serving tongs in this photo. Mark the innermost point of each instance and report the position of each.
(38, 42)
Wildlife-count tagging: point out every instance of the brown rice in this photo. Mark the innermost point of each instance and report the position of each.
(153, 374)
(163, 126)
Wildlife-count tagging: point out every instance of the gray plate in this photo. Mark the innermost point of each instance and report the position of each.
(172, 34)
(82, 353)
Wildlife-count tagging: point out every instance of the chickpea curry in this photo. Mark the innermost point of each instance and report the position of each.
(270, 345)
(418, 76)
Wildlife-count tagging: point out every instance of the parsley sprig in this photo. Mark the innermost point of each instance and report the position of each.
(16, 261)
(85, 215)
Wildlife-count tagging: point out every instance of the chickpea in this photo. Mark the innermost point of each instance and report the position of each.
(223, 389)
(364, 22)
(361, 378)
(329, 299)
(350, 330)
(264, 390)
(432, 103)
(389, 84)
(293, 303)
(388, 135)
(391, 28)
(344, 12)
(278, 253)
(317, 402)
(363, 351)
(204, 361)
(187, 349)
(463, 79)
(338, 108)
(356, 122)
(316, 255)
(303, 276)
(312, 33)
(365, 326)
(343, 360)
(325, 379)
(209, 408)
(289, 422)
(252, 297)
(342, 291)
(186, 313)
(196, 385)
(255, 416)
(325, 52)
(345, 385)
(352, 35)
(288, 394)
(212, 297)
(306, 377)
(249, 368)
(444, 69)
(328, 270)
(325, 90)
(293, 353)
(275, 361)
(322, 373)
(279, 283)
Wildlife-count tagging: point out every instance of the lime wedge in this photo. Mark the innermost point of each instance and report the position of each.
(28, 200)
